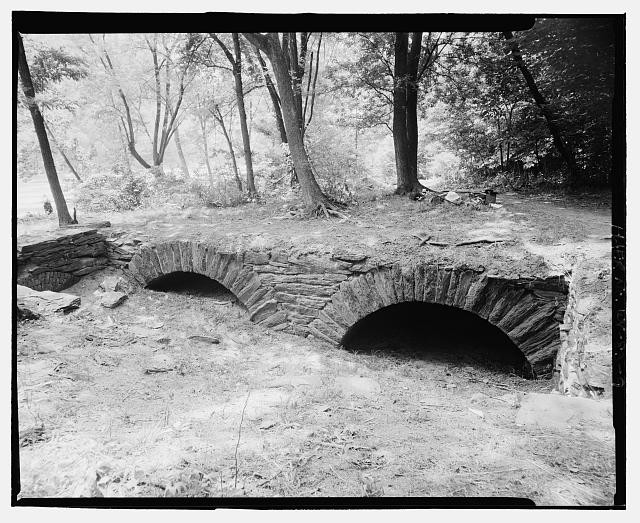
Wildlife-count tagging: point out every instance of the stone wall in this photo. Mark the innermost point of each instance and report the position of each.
(57, 264)
(323, 297)
(320, 295)
(583, 365)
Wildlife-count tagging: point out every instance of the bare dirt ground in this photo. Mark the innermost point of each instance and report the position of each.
(123, 403)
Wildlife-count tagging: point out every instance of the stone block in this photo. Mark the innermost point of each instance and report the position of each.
(263, 310)
(45, 302)
(111, 299)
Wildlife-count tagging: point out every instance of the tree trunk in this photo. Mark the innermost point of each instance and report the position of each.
(205, 146)
(275, 99)
(547, 112)
(407, 181)
(413, 60)
(246, 141)
(230, 145)
(64, 218)
(501, 146)
(183, 161)
(61, 151)
(312, 195)
(125, 150)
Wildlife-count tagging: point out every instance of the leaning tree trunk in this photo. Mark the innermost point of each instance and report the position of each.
(312, 195)
(275, 99)
(183, 161)
(311, 192)
(62, 153)
(246, 141)
(546, 110)
(64, 218)
(231, 152)
(205, 146)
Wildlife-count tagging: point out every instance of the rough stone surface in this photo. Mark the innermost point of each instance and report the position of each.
(45, 302)
(59, 263)
(111, 299)
(318, 295)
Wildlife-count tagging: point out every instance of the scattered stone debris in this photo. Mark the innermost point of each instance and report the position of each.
(112, 283)
(45, 302)
(112, 299)
(479, 397)
(88, 486)
(26, 314)
(453, 197)
(477, 412)
(161, 363)
(214, 340)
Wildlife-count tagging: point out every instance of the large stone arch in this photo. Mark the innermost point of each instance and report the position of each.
(227, 268)
(529, 311)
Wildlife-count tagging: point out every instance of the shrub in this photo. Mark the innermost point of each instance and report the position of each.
(113, 191)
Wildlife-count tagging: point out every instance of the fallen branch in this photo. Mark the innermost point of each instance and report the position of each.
(235, 481)
(427, 241)
(480, 240)
(91, 225)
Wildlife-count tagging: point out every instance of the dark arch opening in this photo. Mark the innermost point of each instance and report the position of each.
(194, 284)
(437, 333)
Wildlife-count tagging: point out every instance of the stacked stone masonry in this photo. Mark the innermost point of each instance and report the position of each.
(314, 295)
(57, 264)
(323, 297)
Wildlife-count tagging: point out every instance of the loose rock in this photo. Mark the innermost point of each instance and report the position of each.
(214, 340)
(112, 299)
(45, 302)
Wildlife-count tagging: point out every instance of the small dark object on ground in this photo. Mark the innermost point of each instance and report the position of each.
(48, 209)
(490, 196)
(205, 339)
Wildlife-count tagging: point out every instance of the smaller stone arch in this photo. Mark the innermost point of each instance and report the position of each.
(227, 268)
(527, 310)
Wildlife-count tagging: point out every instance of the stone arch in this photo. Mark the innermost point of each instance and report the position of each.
(227, 268)
(527, 310)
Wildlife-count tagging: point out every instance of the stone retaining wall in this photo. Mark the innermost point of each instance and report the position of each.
(323, 297)
(57, 264)
(317, 295)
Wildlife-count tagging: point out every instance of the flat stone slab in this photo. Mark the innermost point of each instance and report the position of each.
(356, 385)
(555, 411)
(46, 302)
(112, 299)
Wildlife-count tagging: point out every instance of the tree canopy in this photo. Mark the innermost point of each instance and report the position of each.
(327, 112)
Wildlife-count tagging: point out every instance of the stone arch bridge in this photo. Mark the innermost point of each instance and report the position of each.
(324, 296)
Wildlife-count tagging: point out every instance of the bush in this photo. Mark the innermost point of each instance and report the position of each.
(113, 191)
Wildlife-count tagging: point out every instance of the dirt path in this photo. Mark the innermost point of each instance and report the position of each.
(125, 396)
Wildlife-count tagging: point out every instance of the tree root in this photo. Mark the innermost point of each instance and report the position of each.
(326, 209)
